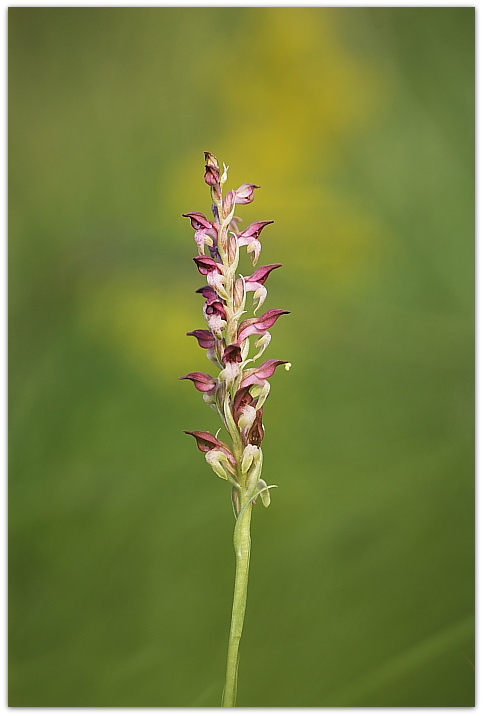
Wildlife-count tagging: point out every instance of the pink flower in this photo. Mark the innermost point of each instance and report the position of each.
(206, 442)
(206, 265)
(245, 193)
(243, 404)
(253, 231)
(255, 283)
(205, 338)
(249, 238)
(260, 275)
(199, 221)
(243, 398)
(259, 325)
(202, 381)
(205, 231)
(259, 375)
(215, 307)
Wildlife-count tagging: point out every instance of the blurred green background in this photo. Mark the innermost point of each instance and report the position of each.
(358, 124)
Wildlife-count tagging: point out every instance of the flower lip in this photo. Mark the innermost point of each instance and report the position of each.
(205, 338)
(215, 307)
(243, 397)
(232, 354)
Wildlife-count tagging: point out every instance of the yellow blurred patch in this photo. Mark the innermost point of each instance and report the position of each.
(294, 93)
(144, 323)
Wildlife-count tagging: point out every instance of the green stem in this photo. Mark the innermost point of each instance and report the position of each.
(241, 541)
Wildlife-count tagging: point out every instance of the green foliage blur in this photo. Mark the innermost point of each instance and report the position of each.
(358, 124)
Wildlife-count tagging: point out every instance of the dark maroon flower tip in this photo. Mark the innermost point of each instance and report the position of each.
(208, 293)
(205, 441)
(254, 230)
(203, 382)
(259, 375)
(206, 265)
(262, 273)
(256, 432)
(205, 338)
(232, 354)
(198, 220)
(215, 307)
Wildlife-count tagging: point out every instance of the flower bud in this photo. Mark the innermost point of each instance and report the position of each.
(212, 170)
(228, 204)
(251, 455)
(239, 293)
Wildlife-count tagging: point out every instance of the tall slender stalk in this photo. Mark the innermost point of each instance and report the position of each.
(242, 544)
(239, 392)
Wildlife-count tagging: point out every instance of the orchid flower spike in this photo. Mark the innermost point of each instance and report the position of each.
(239, 391)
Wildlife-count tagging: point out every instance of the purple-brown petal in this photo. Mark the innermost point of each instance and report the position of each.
(198, 220)
(205, 338)
(205, 441)
(259, 325)
(256, 432)
(253, 231)
(202, 381)
(268, 319)
(259, 375)
(207, 292)
(206, 265)
(262, 273)
(215, 307)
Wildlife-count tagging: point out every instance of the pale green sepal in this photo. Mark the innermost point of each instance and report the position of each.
(265, 493)
(219, 463)
(263, 395)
